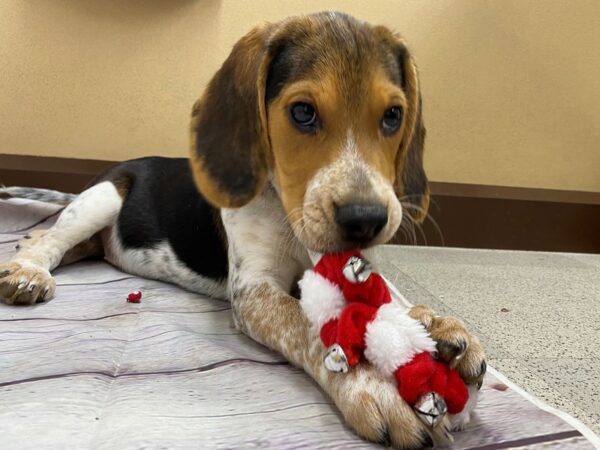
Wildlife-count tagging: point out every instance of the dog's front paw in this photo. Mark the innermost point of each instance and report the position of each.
(372, 406)
(456, 346)
(24, 283)
(459, 348)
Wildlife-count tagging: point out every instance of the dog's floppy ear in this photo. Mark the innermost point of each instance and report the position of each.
(411, 181)
(229, 142)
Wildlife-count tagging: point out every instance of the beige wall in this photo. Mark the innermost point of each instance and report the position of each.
(511, 88)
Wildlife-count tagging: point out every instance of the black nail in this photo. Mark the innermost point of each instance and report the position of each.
(450, 349)
(426, 440)
(385, 438)
(483, 368)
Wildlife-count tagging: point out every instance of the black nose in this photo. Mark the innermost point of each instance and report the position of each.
(361, 222)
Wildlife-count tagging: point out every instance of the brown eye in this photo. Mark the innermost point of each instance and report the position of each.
(391, 120)
(304, 116)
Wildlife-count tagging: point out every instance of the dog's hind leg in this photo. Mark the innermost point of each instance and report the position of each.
(26, 278)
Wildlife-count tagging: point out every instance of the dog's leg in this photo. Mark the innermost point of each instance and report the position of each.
(90, 248)
(369, 402)
(26, 278)
(262, 268)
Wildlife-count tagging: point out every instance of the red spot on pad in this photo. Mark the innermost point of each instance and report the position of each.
(134, 297)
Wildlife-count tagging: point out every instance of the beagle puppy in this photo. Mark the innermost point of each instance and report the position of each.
(308, 138)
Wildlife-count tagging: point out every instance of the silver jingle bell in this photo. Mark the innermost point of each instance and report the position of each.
(431, 409)
(357, 270)
(335, 359)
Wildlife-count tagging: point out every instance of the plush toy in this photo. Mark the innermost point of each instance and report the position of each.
(353, 311)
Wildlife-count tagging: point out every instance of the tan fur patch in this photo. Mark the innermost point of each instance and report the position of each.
(122, 183)
(90, 248)
(423, 314)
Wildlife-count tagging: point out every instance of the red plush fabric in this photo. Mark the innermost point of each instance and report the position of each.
(348, 331)
(352, 327)
(457, 393)
(363, 300)
(423, 374)
(372, 292)
(414, 378)
(330, 266)
(329, 333)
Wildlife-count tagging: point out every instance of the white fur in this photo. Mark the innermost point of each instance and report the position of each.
(393, 338)
(93, 210)
(460, 421)
(320, 299)
(261, 247)
(160, 262)
(350, 147)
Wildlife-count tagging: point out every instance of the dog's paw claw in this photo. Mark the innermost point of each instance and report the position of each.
(24, 283)
(449, 351)
(459, 348)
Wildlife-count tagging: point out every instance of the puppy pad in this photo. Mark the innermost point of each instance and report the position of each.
(88, 370)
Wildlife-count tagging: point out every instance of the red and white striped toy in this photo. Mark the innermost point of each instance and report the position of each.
(353, 311)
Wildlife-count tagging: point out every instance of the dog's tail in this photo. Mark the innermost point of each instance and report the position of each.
(42, 195)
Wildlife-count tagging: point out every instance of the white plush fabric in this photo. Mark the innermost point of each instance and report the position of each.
(320, 299)
(394, 338)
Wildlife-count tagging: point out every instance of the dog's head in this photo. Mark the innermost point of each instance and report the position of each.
(326, 108)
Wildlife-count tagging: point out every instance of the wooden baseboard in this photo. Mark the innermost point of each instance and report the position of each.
(62, 174)
(499, 223)
(461, 215)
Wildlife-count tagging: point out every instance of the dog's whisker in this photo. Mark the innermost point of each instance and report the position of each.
(289, 216)
(418, 226)
(288, 242)
(414, 235)
(427, 216)
(410, 229)
(294, 224)
(403, 231)
(409, 225)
